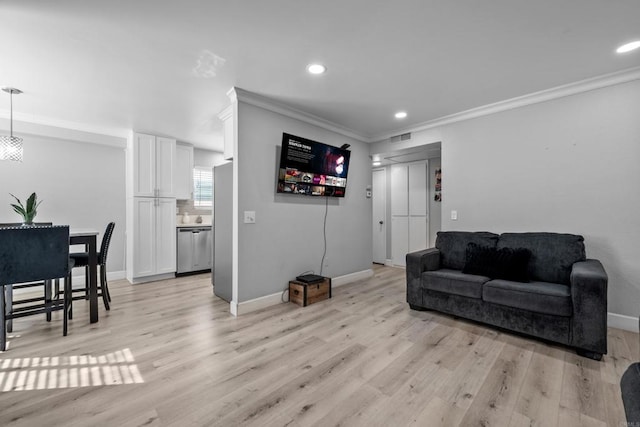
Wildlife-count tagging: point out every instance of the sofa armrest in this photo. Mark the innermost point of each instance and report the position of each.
(417, 263)
(589, 298)
(630, 390)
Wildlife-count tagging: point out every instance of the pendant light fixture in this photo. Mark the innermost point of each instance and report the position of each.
(11, 146)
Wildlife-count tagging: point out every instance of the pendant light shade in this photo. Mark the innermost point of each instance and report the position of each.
(11, 147)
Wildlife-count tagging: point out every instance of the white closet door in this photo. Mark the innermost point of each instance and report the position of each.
(399, 193)
(418, 189)
(379, 203)
(399, 239)
(417, 233)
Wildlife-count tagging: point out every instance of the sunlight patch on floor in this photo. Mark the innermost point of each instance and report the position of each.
(57, 372)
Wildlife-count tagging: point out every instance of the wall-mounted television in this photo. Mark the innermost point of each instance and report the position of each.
(312, 168)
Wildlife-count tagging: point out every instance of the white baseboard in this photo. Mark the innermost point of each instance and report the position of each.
(620, 321)
(255, 304)
(233, 308)
(78, 280)
(116, 275)
(154, 278)
(388, 262)
(351, 277)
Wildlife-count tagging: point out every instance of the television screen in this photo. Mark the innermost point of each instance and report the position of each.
(312, 168)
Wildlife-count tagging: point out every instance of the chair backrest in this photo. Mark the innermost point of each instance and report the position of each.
(18, 224)
(29, 254)
(104, 246)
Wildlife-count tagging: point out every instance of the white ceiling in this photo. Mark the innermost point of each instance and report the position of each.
(165, 66)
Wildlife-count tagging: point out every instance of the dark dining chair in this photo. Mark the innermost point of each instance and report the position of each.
(81, 259)
(34, 254)
(9, 296)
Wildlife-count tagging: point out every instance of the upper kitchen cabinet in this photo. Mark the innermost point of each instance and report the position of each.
(154, 166)
(183, 178)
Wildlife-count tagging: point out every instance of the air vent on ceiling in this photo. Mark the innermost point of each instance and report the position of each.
(403, 137)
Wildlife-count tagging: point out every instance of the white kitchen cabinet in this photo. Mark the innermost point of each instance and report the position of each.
(151, 208)
(184, 172)
(154, 165)
(154, 237)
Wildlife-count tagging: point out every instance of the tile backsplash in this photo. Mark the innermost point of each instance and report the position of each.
(187, 206)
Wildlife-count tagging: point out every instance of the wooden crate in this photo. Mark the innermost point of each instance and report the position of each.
(308, 293)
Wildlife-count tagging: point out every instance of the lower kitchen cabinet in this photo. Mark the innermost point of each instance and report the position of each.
(154, 238)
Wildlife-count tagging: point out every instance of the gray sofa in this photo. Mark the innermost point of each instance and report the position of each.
(630, 388)
(562, 299)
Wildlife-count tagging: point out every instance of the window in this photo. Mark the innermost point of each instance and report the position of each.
(202, 187)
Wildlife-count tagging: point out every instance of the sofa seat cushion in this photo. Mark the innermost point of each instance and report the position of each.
(454, 282)
(539, 297)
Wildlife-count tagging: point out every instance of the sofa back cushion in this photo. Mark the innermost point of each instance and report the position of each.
(552, 254)
(453, 246)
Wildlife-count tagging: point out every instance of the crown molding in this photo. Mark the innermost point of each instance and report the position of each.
(612, 79)
(286, 110)
(61, 129)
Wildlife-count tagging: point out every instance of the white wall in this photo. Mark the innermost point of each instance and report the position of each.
(202, 157)
(566, 165)
(435, 208)
(80, 184)
(287, 238)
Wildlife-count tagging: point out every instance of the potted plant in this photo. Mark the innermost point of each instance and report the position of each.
(29, 211)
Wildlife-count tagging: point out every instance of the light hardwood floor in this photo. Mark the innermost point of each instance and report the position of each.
(169, 353)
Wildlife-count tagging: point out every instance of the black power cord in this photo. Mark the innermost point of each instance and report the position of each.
(324, 232)
(324, 251)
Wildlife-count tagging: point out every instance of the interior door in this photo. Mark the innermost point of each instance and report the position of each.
(418, 202)
(379, 202)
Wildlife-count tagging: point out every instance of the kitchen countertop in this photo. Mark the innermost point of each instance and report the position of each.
(193, 225)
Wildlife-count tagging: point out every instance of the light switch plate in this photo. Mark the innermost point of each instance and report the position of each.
(249, 217)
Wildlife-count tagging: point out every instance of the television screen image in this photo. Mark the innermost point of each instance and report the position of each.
(312, 168)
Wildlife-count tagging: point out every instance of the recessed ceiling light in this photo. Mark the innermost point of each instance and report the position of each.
(376, 163)
(401, 114)
(628, 47)
(316, 68)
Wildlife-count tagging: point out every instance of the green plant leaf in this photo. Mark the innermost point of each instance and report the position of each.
(18, 200)
(29, 212)
(19, 209)
(31, 202)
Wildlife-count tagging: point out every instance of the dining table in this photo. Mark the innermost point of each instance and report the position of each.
(89, 238)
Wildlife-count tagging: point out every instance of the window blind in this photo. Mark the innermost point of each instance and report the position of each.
(202, 187)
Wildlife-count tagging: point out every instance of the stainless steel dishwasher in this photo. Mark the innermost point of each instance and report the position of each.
(194, 249)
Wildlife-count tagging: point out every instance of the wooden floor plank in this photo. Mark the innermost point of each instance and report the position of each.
(170, 354)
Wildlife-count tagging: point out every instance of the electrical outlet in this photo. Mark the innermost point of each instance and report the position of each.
(454, 215)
